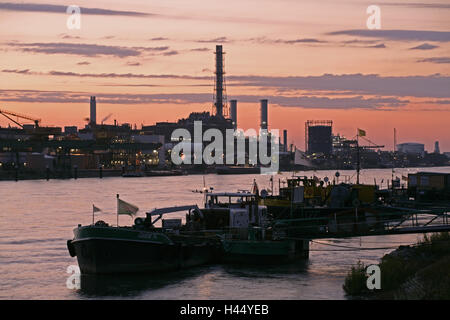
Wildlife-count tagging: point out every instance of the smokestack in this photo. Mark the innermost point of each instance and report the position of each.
(219, 81)
(436, 147)
(285, 146)
(233, 111)
(264, 123)
(93, 117)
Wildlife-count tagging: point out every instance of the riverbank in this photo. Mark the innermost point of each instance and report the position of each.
(79, 174)
(29, 174)
(417, 272)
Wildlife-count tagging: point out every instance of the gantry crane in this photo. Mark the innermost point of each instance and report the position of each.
(37, 132)
(7, 114)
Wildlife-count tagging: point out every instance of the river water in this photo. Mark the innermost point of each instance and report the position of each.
(37, 218)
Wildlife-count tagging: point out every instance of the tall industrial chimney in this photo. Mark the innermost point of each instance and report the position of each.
(436, 147)
(219, 81)
(264, 123)
(285, 146)
(93, 117)
(233, 111)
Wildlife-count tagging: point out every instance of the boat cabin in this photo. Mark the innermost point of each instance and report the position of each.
(301, 190)
(429, 186)
(239, 210)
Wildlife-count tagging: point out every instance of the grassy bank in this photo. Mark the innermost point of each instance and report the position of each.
(421, 271)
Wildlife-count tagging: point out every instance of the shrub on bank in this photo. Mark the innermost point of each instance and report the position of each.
(355, 282)
(410, 272)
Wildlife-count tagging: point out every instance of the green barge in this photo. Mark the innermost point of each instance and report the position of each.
(231, 228)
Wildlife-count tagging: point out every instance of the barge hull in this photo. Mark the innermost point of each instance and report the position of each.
(100, 256)
(265, 252)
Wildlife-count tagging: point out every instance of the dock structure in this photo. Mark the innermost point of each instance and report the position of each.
(37, 159)
(347, 225)
(75, 144)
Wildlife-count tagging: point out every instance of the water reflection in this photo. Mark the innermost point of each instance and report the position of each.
(297, 267)
(130, 285)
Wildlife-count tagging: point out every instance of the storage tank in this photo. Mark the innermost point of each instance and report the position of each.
(319, 138)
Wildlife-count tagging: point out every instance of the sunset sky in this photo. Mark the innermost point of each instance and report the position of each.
(149, 61)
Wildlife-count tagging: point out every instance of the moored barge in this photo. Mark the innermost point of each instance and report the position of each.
(104, 249)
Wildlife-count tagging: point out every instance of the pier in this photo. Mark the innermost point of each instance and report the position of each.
(403, 221)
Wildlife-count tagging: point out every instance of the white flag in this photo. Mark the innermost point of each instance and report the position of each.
(126, 208)
(300, 159)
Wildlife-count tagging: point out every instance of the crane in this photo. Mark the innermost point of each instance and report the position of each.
(358, 148)
(37, 132)
(9, 114)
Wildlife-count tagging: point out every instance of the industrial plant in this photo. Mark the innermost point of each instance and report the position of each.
(31, 151)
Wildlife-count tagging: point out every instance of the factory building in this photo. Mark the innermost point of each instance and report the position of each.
(113, 146)
(411, 148)
(70, 130)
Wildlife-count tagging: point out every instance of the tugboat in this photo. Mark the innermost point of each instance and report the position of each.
(104, 249)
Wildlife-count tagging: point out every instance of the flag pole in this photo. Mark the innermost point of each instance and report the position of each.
(117, 210)
(93, 212)
(358, 164)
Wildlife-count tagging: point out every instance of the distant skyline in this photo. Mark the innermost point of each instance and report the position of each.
(151, 61)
